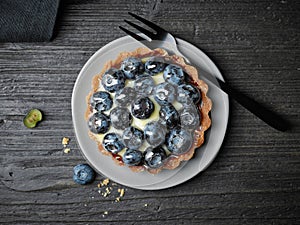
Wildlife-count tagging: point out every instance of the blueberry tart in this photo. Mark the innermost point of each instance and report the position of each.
(148, 110)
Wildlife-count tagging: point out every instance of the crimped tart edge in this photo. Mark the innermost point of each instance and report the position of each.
(206, 105)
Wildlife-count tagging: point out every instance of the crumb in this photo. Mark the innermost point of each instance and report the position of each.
(67, 150)
(122, 192)
(105, 182)
(105, 213)
(65, 141)
(146, 205)
(117, 199)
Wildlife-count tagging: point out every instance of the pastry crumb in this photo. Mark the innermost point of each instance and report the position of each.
(67, 150)
(105, 182)
(65, 141)
(146, 205)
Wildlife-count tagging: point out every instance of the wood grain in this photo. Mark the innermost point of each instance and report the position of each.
(255, 178)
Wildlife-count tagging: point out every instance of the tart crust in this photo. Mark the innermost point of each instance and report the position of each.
(204, 108)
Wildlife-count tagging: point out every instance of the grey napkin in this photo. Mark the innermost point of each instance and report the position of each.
(27, 20)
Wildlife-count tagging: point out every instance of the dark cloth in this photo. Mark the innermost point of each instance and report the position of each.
(27, 20)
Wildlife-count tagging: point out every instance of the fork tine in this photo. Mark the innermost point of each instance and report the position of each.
(134, 35)
(147, 22)
(141, 29)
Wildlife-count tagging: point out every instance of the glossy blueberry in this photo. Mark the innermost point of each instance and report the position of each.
(154, 157)
(132, 67)
(132, 157)
(101, 101)
(179, 141)
(113, 80)
(142, 108)
(125, 96)
(155, 133)
(113, 143)
(154, 65)
(169, 115)
(133, 138)
(174, 74)
(99, 123)
(187, 93)
(83, 174)
(164, 93)
(189, 117)
(144, 85)
(120, 117)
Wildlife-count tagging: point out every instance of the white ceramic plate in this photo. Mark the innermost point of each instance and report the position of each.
(122, 174)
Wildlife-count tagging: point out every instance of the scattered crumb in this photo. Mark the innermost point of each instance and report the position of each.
(65, 141)
(146, 205)
(117, 199)
(105, 182)
(105, 213)
(122, 192)
(67, 150)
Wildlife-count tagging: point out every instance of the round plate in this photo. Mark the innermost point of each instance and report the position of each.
(122, 174)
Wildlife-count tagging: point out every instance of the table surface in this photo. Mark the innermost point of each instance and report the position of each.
(254, 179)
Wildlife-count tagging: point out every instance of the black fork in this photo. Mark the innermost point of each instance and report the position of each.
(163, 39)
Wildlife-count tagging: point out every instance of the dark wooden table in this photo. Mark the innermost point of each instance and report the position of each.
(255, 178)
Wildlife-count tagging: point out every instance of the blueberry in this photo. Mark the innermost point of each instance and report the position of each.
(133, 137)
(154, 157)
(155, 133)
(144, 85)
(113, 80)
(179, 141)
(169, 115)
(83, 174)
(188, 93)
(174, 74)
(125, 96)
(132, 157)
(113, 143)
(132, 67)
(189, 117)
(142, 108)
(164, 93)
(101, 101)
(154, 65)
(120, 117)
(99, 123)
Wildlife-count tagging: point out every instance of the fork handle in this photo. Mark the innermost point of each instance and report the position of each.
(257, 109)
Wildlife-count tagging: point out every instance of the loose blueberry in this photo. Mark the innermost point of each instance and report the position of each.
(142, 108)
(83, 174)
(164, 93)
(179, 141)
(154, 65)
(132, 157)
(144, 85)
(155, 133)
(188, 93)
(154, 157)
(125, 96)
(132, 67)
(101, 101)
(169, 115)
(120, 118)
(113, 143)
(189, 117)
(133, 138)
(113, 80)
(99, 123)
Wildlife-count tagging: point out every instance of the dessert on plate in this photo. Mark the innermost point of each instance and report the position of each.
(148, 110)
